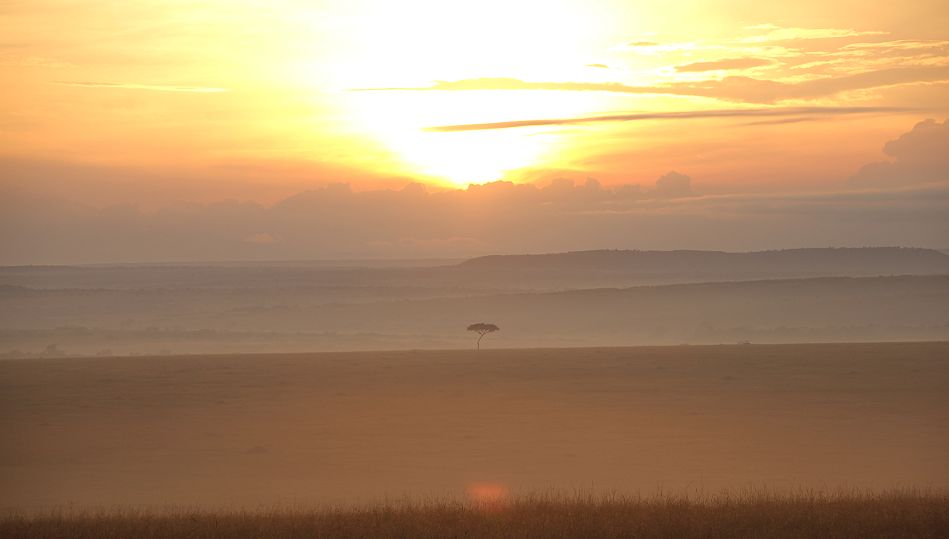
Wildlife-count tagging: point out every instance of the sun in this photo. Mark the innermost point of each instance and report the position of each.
(399, 121)
(415, 44)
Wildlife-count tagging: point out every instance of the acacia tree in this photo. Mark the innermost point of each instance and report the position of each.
(482, 329)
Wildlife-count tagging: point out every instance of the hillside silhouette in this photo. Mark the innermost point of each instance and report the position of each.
(828, 261)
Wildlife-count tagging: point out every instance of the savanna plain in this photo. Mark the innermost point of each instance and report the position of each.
(747, 440)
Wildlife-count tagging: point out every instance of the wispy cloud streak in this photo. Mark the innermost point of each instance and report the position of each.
(735, 88)
(724, 64)
(790, 112)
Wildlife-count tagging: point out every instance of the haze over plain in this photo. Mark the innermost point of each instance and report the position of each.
(241, 243)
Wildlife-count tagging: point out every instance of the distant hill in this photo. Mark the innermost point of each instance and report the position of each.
(790, 262)
(367, 280)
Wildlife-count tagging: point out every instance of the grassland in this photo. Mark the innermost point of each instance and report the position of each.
(895, 514)
(356, 429)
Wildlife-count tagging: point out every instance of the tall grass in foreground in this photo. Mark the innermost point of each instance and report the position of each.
(759, 515)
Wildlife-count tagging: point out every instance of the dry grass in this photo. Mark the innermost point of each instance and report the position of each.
(746, 515)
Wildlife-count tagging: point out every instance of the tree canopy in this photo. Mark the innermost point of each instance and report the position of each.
(482, 329)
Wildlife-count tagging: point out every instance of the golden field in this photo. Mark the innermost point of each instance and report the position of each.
(745, 515)
(224, 432)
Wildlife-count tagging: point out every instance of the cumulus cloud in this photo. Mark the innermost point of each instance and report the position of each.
(919, 156)
(673, 185)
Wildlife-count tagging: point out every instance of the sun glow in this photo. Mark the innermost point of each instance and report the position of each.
(398, 120)
(415, 44)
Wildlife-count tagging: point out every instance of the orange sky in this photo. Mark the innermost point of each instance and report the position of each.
(257, 100)
(240, 129)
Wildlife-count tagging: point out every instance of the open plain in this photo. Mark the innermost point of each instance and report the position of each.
(359, 428)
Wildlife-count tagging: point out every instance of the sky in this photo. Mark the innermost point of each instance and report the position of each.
(239, 129)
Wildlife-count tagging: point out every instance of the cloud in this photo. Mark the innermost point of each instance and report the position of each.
(789, 112)
(866, 80)
(673, 185)
(901, 48)
(772, 32)
(735, 88)
(728, 63)
(601, 66)
(919, 156)
(795, 120)
(338, 222)
(149, 87)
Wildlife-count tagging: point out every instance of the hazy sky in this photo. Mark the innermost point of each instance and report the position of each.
(150, 106)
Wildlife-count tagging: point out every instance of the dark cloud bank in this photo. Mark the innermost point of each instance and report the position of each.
(903, 201)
